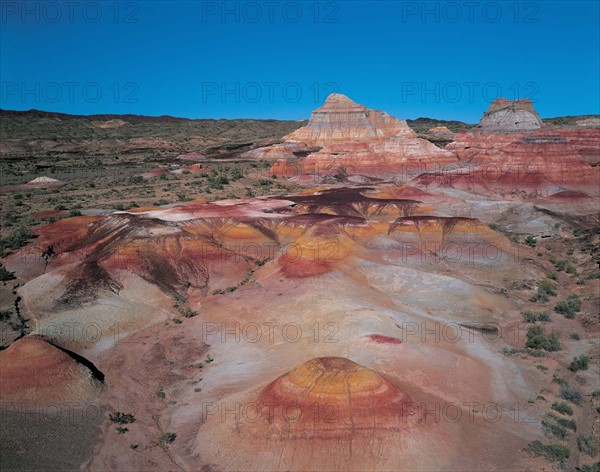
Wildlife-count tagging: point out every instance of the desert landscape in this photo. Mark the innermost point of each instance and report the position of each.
(345, 296)
(299, 237)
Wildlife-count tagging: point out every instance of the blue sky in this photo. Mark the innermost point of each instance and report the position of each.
(280, 59)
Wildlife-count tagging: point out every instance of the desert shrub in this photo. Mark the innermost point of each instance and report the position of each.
(160, 393)
(546, 288)
(579, 363)
(564, 422)
(74, 213)
(531, 316)
(168, 438)
(575, 336)
(187, 312)
(5, 274)
(544, 317)
(538, 339)
(122, 430)
(587, 444)
(560, 265)
(550, 452)
(16, 239)
(136, 179)
(568, 308)
(122, 418)
(553, 429)
(562, 407)
(570, 394)
(530, 241)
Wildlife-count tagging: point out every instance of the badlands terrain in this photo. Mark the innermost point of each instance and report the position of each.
(350, 293)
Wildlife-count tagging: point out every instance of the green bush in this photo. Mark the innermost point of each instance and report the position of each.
(531, 316)
(538, 339)
(5, 274)
(579, 363)
(122, 418)
(530, 241)
(15, 240)
(136, 179)
(544, 317)
(587, 444)
(568, 308)
(550, 452)
(168, 438)
(570, 394)
(546, 288)
(187, 312)
(560, 265)
(564, 422)
(552, 429)
(563, 408)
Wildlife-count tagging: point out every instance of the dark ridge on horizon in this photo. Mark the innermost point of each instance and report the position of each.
(133, 118)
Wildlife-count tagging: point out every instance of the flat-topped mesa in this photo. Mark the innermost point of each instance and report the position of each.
(504, 115)
(340, 119)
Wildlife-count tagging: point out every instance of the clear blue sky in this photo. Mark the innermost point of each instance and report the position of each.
(279, 59)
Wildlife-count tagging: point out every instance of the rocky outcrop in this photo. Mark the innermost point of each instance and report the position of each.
(510, 116)
(359, 141)
(585, 141)
(538, 164)
(340, 119)
(33, 372)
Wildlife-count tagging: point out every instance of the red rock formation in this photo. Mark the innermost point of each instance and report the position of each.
(340, 120)
(585, 141)
(536, 164)
(360, 141)
(512, 155)
(35, 373)
(333, 397)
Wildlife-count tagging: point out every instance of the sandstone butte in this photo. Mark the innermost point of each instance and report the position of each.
(343, 137)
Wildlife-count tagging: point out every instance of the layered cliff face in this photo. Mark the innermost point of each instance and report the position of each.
(360, 402)
(358, 141)
(510, 116)
(341, 120)
(586, 141)
(513, 153)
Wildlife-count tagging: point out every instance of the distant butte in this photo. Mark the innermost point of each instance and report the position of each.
(505, 116)
(355, 141)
